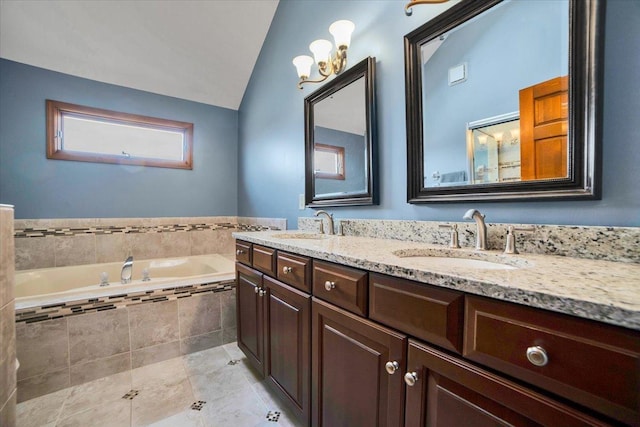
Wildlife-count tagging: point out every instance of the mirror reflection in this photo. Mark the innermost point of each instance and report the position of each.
(495, 97)
(339, 136)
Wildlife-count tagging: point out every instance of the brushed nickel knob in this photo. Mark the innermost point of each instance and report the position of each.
(391, 367)
(410, 378)
(239, 251)
(537, 356)
(287, 270)
(328, 285)
(256, 289)
(261, 293)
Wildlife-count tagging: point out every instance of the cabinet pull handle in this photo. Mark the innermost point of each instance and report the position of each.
(328, 285)
(537, 356)
(256, 289)
(262, 292)
(239, 251)
(391, 367)
(287, 270)
(410, 378)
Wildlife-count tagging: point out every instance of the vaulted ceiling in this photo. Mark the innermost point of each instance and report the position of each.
(200, 50)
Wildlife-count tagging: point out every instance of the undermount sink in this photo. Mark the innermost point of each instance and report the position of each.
(461, 259)
(302, 236)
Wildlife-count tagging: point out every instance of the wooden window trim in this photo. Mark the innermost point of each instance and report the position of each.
(340, 153)
(55, 111)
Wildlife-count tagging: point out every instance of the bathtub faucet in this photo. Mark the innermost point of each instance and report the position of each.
(127, 267)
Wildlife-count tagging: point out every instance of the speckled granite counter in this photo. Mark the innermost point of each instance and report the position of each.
(599, 290)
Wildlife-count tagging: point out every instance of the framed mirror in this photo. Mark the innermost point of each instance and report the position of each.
(503, 102)
(340, 139)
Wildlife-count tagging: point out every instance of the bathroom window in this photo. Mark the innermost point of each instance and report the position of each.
(86, 134)
(328, 161)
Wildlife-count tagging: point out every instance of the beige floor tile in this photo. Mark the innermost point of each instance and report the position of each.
(166, 372)
(188, 418)
(110, 414)
(238, 409)
(41, 410)
(206, 361)
(96, 393)
(218, 384)
(234, 351)
(157, 401)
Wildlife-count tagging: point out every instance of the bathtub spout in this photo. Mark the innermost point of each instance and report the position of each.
(127, 267)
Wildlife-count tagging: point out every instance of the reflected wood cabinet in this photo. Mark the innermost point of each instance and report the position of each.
(364, 349)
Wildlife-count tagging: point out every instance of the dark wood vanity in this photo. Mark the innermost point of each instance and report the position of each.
(347, 347)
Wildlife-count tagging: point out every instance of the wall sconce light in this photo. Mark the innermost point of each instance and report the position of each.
(498, 137)
(482, 139)
(515, 136)
(407, 8)
(321, 49)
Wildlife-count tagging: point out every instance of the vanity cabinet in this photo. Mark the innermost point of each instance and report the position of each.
(274, 325)
(351, 386)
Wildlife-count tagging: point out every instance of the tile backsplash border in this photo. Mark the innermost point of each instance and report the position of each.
(44, 243)
(621, 244)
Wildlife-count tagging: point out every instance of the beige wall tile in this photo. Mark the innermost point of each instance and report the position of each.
(7, 352)
(145, 245)
(42, 384)
(153, 323)
(228, 306)
(201, 342)
(42, 347)
(7, 257)
(212, 242)
(112, 247)
(97, 335)
(36, 252)
(155, 354)
(229, 335)
(8, 411)
(175, 244)
(85, 372)
(199, 314)
(75, 250)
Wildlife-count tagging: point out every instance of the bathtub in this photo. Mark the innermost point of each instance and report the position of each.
(46, 286)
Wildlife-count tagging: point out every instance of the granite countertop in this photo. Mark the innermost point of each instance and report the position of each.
(605, 291)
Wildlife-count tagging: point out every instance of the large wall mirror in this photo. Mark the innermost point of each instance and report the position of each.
(340, 138)
(503, 101)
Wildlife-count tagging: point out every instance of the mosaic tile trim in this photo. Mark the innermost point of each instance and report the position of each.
(131, 394)
(197, 406)
(73, 308)
(273, 416)
(126, 229)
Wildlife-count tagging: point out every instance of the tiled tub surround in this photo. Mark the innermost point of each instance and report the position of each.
(44, 243)
(81, 341)
(603, 243)
(7, 324)
(593, 289)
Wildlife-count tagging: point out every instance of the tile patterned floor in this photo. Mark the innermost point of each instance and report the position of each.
(210, 388)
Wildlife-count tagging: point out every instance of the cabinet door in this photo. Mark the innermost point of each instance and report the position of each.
(451, 392)
(351, 386)
(249, 311)
(288, 345)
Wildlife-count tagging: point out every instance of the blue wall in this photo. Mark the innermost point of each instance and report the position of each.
(42, 188)
(354, 157)
(271, 134)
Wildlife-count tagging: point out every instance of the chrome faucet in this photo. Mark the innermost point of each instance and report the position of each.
(127, 267)
(481, 228)
(329, 217)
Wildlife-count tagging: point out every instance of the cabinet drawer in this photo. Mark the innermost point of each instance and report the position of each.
(590, 363)
(264, 259)
(432, 314)
(343, 286)
(243, 252)
(294, 270)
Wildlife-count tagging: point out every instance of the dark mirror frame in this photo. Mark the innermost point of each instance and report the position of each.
(364, 69)
(586, 31)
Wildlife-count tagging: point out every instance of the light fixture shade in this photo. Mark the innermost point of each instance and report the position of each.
(498, 136)
(482, 139)
(321, 50)
(303, 65)
(341, 32)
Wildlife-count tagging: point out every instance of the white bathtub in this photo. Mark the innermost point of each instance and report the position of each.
(62, 284)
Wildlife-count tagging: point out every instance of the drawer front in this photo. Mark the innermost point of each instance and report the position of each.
(432, 314)
(294, 270)
(264, 259)
(243, 252)
(343, 286)
(590, 363)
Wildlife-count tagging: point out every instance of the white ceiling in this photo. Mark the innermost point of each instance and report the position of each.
(200, 50)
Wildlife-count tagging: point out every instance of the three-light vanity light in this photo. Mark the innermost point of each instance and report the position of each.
(327, 63)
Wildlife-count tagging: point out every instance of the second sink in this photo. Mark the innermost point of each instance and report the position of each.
(462, 259)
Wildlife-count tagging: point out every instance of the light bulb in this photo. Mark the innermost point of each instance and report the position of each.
(303, 65)
(341, 32)
(482, 139)
(498, 136)
(321, 50)
(515, 134)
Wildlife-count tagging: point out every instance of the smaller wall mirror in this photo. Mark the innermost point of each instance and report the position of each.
(340, 138)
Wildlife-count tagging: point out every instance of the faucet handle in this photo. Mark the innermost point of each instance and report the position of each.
(454, 242)
(321, 231)
(510, 246)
